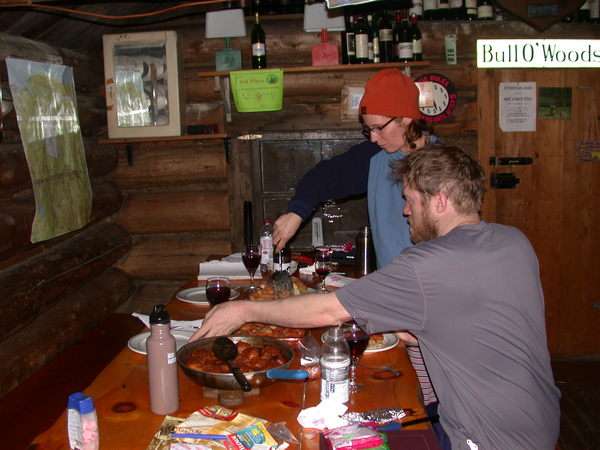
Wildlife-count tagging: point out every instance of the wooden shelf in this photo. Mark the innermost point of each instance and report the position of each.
(337, 68)
(187, 137)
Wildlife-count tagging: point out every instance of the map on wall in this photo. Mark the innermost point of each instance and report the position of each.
(46, 107)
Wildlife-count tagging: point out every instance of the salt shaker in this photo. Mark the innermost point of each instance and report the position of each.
(162, 363)
(365, 257)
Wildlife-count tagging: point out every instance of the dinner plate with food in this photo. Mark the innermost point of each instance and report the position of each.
(378, 342)
(197, 295)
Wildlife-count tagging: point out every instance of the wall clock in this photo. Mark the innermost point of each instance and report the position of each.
(438, 96)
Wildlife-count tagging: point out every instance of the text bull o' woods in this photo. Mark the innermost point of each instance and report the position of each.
(538, 53)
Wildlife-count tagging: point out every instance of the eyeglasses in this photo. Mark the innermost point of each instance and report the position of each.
(376, 129)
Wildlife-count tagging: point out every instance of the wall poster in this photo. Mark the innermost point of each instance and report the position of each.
(46, 107)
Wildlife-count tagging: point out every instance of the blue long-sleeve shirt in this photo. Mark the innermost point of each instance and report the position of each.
(364, 168)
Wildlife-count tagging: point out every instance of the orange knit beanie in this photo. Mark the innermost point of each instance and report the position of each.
(391, 93)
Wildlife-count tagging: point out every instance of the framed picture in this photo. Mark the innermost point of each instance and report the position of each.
(143, 84)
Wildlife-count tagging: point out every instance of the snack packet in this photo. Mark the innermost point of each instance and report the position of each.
(354, 437)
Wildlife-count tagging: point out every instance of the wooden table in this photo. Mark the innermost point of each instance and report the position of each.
(120, 394)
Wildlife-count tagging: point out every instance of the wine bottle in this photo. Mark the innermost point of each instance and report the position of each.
(595, 11)
(259, 45)
(361, 39)
(402, 38)
(416, 9)
(370, 38)
(417, 42)
(458, 10)
(471, 9)
(386, 39)
(583, 13)
(348, 49)
(373, 41)
(443, 10)
(430, 9)
(485, 10)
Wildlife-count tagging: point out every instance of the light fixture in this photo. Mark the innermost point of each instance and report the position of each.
(317, 17)
(226, 24)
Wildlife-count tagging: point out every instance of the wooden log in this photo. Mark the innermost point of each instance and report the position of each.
(87, 69)
(16, 217)
(168, 212)
(14, 171)
(59, 326)
(29, 288)
(168, 163)
(91, 110)
(172, 256)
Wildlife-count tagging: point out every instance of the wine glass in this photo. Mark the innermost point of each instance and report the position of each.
(356, 333)
(322, 267)
(218, 290)
(251, 258)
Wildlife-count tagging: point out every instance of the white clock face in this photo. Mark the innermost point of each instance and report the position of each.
(441, 100)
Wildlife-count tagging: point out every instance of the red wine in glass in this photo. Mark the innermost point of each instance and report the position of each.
(251, 261)
(217, 294)
(322, 272)
(357, 341)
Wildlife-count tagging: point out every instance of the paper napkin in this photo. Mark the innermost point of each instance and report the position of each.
(182, 324)
(228, 267)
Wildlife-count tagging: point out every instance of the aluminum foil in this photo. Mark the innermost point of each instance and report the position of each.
(378, 416)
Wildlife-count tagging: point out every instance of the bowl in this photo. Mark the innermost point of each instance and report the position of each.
(227, 380)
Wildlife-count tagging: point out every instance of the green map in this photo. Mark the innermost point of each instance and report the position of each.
(46, 107)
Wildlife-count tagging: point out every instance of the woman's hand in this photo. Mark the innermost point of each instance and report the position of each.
(284, 229)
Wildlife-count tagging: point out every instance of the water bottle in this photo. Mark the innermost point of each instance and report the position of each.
(335, 365)
(162, 363)
(365, 257)
(266, 246)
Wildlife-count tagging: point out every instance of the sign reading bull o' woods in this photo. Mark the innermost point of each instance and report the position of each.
(528, 53)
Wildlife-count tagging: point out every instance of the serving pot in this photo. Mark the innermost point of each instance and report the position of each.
(227, 380)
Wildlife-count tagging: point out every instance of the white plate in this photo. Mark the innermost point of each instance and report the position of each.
(198, 295)
(138, 342)
(390, 340)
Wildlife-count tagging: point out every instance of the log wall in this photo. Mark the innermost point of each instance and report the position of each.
(53, 292)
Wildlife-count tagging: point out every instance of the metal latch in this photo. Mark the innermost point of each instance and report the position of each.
(511, 161)
(504, 180)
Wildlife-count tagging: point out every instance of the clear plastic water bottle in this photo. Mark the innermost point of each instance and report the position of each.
(335, 365)
(266, 246)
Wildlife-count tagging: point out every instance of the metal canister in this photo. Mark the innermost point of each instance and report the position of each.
(365, 254)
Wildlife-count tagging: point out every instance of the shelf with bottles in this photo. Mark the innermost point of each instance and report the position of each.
(336, 68)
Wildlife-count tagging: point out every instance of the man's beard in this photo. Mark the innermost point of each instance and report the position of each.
(426, 231)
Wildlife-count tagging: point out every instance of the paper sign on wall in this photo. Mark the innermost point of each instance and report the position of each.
(517, 106)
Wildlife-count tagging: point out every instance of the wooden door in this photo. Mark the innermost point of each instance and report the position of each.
(557, 201)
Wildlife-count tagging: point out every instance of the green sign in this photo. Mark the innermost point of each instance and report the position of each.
(257, 90)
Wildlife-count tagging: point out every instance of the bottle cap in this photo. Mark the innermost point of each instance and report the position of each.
(86, 405)
(159, 315)
(74, 399)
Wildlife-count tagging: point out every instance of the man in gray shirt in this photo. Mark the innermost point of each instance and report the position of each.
(469, 291)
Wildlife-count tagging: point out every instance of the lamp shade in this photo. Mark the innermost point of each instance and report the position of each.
(225, 23)
(317, 17)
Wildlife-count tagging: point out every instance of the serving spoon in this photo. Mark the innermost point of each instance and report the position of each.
(226, 350)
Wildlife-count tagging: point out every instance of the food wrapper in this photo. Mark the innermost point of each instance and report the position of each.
(310, 355)
(352, 437)
(215, 420)
(255, 437)
(376, 416)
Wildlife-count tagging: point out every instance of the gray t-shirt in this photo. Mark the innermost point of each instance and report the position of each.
(474, 300)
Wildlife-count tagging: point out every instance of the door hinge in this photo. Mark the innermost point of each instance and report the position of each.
(511, 161)
(504, 180)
